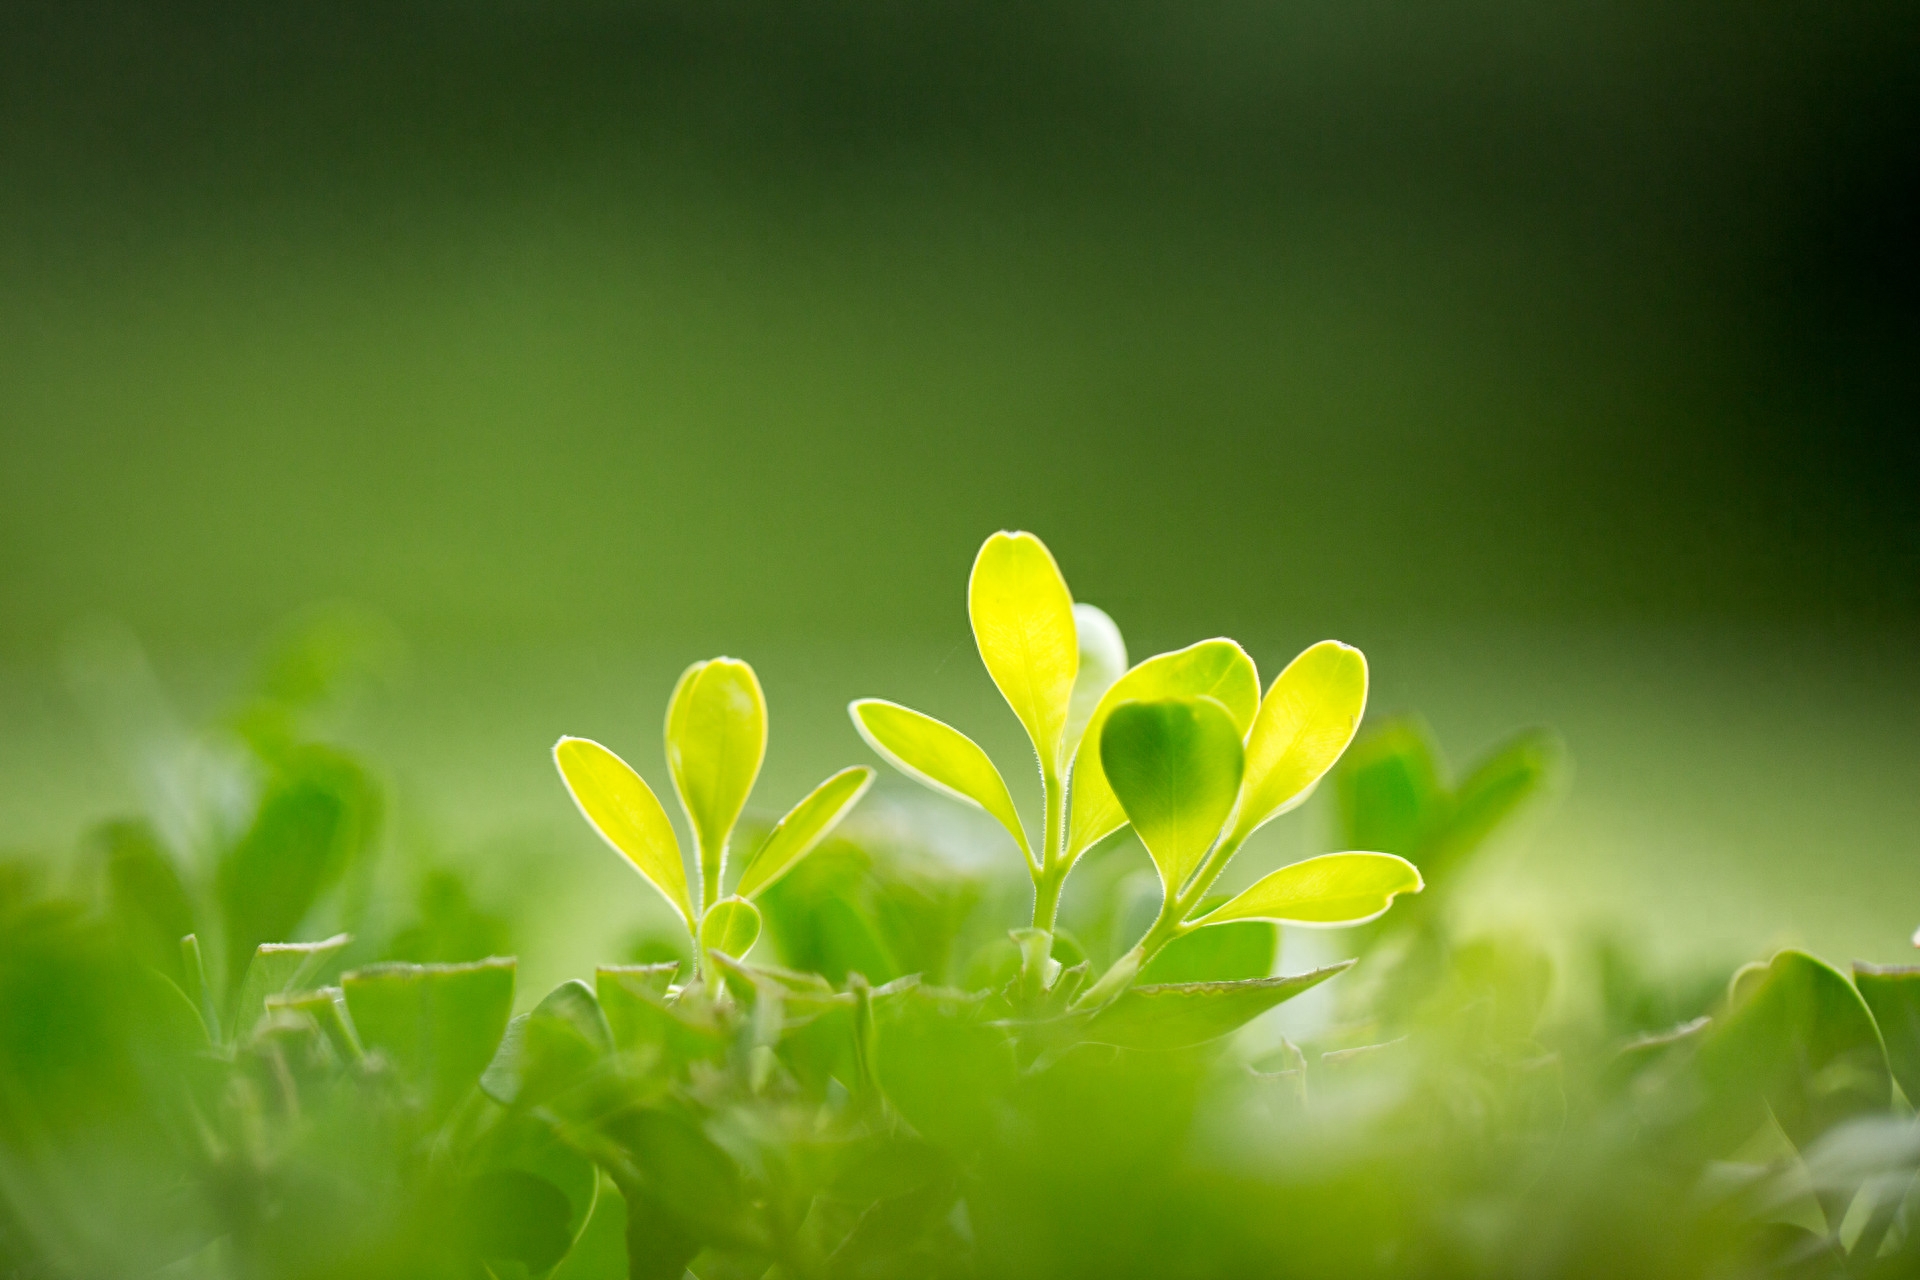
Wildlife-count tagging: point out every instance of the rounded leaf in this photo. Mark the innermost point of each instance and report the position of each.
(732, 926)
(1306, 720)
(618, 803)
(716, 739)
(1023, 622)
(939, 756)
(1332, 889)
(805, 826)
(1175, 765)
(1217, 669)
(1103, 660)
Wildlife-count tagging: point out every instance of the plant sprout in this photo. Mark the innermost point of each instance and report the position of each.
(716, 736)
(1183, 746)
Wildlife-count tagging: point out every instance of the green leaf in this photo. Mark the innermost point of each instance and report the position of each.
(1179, 1015)
(1023, 622)
(1892, 992)
(1217, 669)
(510, 1215)
(545, 1051)
(1229, 953)
(1391, 790)
(439, 1024)
(645, 1019)
(327, 1006)
(1175, 766)
(1517, 771)
(144, 892)
(806, 825)
(938, 756)
(1103, 660)
(1332, 889)
(732, 925)
(716, 740)
(1800, 1036)
(277, 968)
(619, 804)
(1306, 720)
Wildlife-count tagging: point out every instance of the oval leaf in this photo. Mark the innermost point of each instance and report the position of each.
(1332, 889)
(1103, 660)
(939, 756)
(1175, 765)
(716, 739)
(806, 825)
(1217, 669)
(1306, 720)
(732, 926)
(1023, 622)
(619, 804)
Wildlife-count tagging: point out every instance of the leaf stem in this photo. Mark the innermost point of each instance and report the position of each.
(1168, 925)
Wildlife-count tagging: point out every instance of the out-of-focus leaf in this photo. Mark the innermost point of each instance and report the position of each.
(644, 1019)
(1332, 889)
(732, 925)
(327, 1006)
(1799, 1036)
(317, 815)
(716, 741)
(549, 1048)
(805, 826)
(943, 1068)
(1305, 721)
(1391, 791)
(1175, 766)
(1217, 669)
(939, 756)
(1023, 621)
(439, 1024)
(1892, 993)
(1229, 953)
(1103, 660)
(683, 1173)
(618, 803)
(277, 968)
(510, 1215)
(144, 892)
(1179, 1015)
(1494, 791)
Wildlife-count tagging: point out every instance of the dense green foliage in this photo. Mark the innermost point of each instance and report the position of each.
(862, 1067)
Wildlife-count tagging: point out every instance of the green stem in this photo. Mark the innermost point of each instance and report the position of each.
(1168, 925)
(1048, 880)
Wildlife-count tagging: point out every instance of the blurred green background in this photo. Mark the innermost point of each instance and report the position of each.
(1563, 357)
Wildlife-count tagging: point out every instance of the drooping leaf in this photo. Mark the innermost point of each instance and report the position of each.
(277, 968)
(1183, 1014)
(1217, 669)
(439, 1024)
(1892, 992)
(1175, 765)
(1103, 660)
(1305, 721)
(806, 825)
(548, 1049)
(716, 740)
(1023, 621)
(1332, 889)
(619, 805)
(732, 925)
(939, 756)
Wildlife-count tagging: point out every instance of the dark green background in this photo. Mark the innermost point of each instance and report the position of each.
(1563, 356)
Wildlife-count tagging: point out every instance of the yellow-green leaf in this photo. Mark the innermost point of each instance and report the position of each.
(1217, 669)
(805, 826)
(619, 805)
(939, 756)
(716, 739)
(731, 926)
(1332, 889)
(1023, 622)
(1175, 765)
(1103, 660)
(1306, 720)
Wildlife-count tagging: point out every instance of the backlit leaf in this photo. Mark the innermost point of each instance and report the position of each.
(1023, 622)
(716, 740)
(1178, 1015)
(732, 925)
(1103, 660)
(806, 825)
(619, 805)
(1175, 765)
(1332, 889)
(1217, 669)
(1306, 720)
(939, 756)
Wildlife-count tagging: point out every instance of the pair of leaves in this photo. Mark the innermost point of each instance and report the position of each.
(716, 739)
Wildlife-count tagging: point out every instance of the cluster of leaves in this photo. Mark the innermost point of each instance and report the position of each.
(866, 1069)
